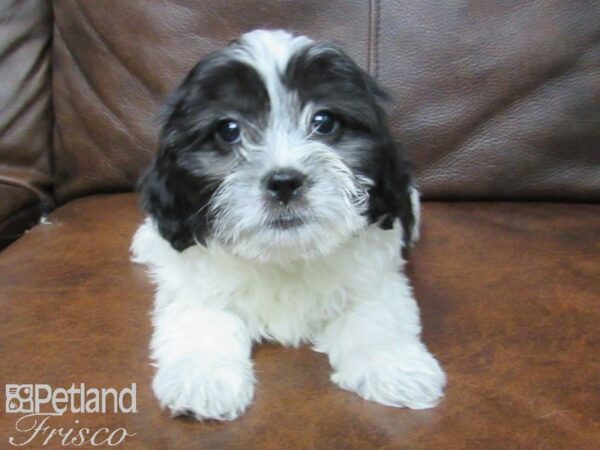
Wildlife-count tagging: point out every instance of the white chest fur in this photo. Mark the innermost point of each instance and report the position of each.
(290, 304)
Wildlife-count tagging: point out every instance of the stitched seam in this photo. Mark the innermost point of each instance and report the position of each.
(44, 198)
(377, 26)
(370, 36)
(52, 154)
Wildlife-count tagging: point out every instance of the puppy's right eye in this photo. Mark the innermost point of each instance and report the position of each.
(228, 131)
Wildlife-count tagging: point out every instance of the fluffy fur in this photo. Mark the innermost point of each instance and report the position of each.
(235, 264)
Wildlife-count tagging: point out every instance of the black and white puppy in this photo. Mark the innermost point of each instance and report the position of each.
(278, 207)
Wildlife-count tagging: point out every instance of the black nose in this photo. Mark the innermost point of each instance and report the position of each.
(284, 184)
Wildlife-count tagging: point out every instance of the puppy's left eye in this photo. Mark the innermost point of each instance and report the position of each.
(324, 123)
(228, 131)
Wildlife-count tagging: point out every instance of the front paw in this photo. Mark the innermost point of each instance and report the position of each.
(394, 377)
(204, 388)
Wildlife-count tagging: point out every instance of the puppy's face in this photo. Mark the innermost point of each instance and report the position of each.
(276, 149)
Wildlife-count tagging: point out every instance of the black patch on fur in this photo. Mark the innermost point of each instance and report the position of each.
(327, 76)
(178, 186)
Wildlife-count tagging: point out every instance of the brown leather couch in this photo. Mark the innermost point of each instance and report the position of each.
(498, 104)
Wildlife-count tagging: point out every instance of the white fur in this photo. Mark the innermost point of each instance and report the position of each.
(354, 304)
(334, 282)
(415, 201)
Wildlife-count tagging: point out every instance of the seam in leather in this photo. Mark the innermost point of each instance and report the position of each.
(52, 151)
(370, 37)
(46, 201)
(373, 38)
(377, 23)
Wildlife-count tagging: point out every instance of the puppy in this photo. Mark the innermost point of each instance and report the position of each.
(278, 206)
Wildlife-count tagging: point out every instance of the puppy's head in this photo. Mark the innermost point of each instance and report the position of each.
(277, 149)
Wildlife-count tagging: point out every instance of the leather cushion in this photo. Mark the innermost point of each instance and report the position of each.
(509, 299)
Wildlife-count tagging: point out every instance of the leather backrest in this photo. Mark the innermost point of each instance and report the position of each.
(494, 100)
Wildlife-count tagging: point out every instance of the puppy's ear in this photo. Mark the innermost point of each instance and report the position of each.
(394, 195)
(173, 194)
(162, 198)
(167, 189)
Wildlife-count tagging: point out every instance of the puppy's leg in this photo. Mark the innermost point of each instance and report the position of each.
(203, 361)
(376, 350)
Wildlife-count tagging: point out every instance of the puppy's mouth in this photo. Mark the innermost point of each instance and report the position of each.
(286, 222)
